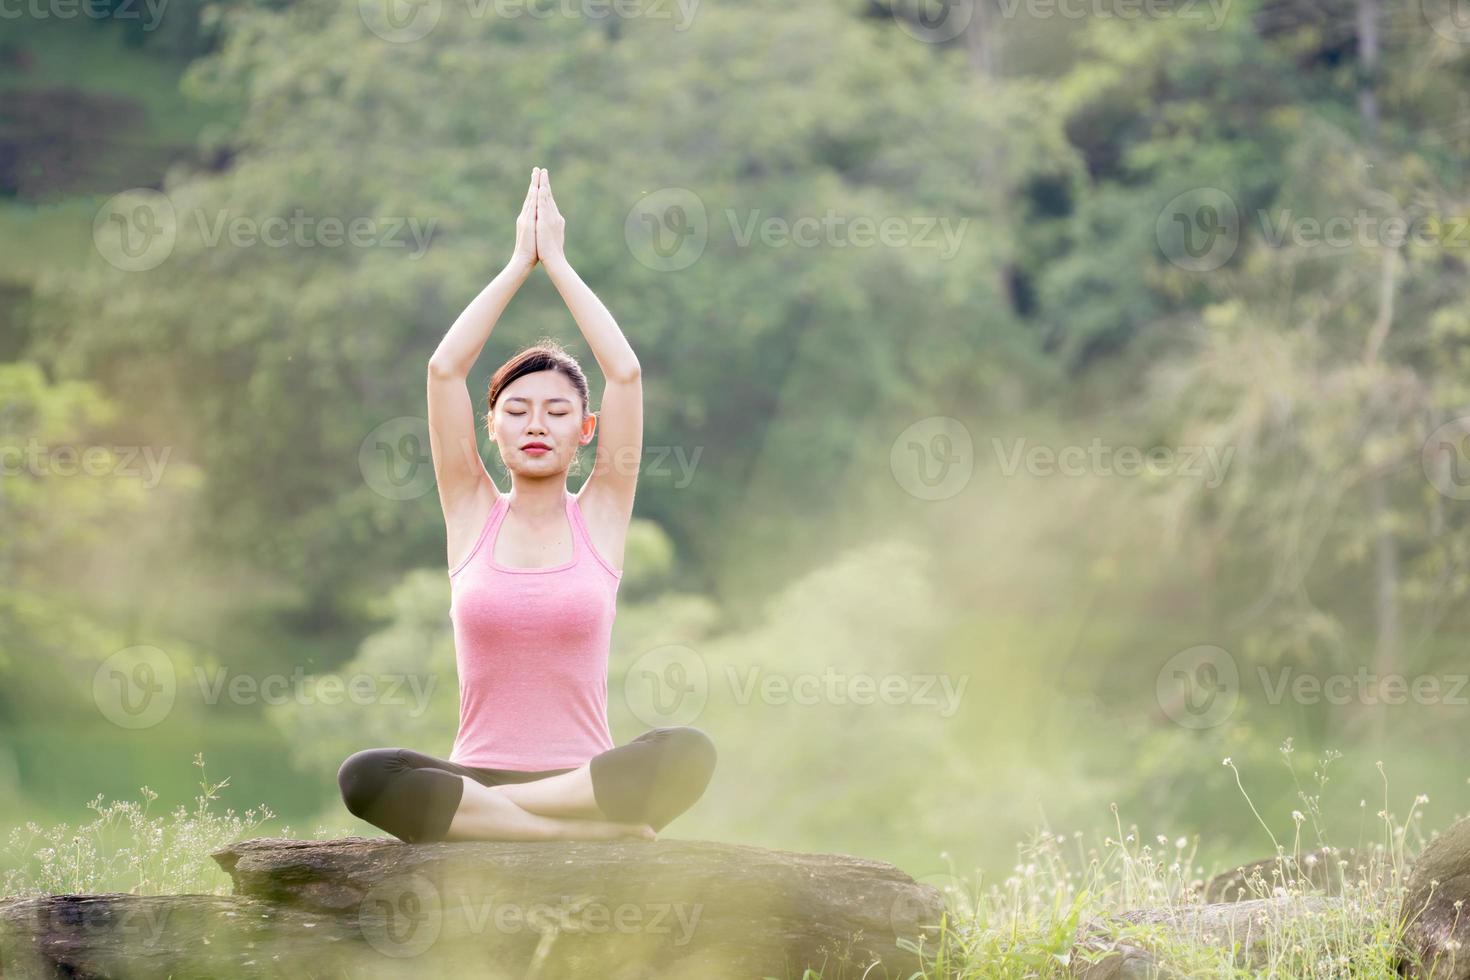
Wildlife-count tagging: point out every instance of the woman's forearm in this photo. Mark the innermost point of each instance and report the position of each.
(456, 353)
(604, 336)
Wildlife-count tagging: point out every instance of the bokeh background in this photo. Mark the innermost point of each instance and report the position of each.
(1046, 400)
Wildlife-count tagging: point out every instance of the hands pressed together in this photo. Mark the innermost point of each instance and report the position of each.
(540, 228)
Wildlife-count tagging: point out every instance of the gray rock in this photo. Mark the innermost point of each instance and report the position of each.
(203, 937)
(613, 909)
(1436, 933)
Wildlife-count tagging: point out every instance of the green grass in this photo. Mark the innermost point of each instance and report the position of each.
(1027, 925)
(128, 848)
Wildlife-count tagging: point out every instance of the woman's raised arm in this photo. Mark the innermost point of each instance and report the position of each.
(614, 476)
(458, 468)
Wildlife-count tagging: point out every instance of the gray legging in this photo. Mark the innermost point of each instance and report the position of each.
(414, 796)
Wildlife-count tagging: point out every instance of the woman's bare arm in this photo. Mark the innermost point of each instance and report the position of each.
(620, 419)
(458, 468)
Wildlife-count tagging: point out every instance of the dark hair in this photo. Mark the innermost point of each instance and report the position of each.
(544, 355)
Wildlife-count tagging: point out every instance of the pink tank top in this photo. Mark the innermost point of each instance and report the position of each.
(531, 645)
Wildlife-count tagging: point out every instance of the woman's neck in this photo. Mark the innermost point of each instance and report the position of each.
(538, 500)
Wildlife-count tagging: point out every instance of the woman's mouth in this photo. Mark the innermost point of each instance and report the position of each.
(535, 449)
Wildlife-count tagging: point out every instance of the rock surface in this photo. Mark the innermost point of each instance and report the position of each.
(667, 908)
(379, 908)
(1436, 934)
(135, 937)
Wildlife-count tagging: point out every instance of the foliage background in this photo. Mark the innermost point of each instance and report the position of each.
(791, 380)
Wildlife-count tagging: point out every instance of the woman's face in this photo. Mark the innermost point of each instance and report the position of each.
(542, 407)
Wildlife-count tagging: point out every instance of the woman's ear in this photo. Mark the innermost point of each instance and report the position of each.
(589, 426)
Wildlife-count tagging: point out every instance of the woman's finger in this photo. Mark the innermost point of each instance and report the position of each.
(530, 201)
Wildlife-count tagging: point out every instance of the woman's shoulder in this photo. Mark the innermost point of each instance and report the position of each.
(605, 523)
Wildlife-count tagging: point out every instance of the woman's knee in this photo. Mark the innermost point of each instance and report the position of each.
(362, 777)
(694, 752)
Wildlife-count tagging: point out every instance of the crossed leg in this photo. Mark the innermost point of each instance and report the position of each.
(537, 811)
(632, 790)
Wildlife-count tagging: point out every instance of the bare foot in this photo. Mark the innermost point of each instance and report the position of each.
(603, 830)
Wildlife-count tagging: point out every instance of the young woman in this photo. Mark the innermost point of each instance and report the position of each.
(534, 575)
